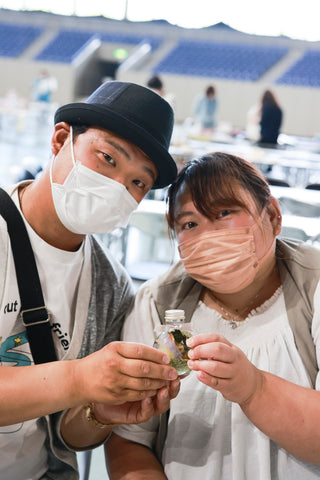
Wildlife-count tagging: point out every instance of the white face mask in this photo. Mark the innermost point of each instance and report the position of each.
(89, 202)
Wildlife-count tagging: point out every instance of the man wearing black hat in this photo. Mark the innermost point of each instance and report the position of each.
(107, 154)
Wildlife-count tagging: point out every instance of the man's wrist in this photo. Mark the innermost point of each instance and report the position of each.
(91, 417)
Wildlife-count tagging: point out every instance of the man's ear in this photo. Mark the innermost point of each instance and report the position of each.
(60, 135)
(275, 215)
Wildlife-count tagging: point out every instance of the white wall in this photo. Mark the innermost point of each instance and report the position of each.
(301, 106)
(19, 75)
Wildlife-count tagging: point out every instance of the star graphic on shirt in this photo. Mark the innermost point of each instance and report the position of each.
(17, 341)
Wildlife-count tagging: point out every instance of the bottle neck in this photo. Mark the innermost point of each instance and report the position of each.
(175, 322)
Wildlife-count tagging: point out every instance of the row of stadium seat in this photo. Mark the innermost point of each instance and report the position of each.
(244, 62)
(67, 44)
(14, 39)
(220, 60)
(306, 71)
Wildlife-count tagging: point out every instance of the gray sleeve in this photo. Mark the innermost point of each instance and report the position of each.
(112, 294)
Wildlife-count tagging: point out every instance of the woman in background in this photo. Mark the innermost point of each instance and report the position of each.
(271, 118)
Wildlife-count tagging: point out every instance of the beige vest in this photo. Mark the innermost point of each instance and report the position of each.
(299, 266)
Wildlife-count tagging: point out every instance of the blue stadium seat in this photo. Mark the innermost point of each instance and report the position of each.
(305, 72)
(220, 60)
(67, 44)
(15, 38)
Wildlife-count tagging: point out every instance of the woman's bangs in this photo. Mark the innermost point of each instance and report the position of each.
(211, 192)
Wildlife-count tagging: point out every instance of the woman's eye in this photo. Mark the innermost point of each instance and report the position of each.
(188, 225)
(108, 158)
(223, 213)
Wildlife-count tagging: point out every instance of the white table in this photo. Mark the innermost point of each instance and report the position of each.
(299, 166)
(301, 194)
(310, 225)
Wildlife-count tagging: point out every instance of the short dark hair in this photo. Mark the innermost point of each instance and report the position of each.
(155, 82)
(210, 90)
(78, 129)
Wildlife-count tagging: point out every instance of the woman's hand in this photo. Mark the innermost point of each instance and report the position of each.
(274, 405)
(224, 367)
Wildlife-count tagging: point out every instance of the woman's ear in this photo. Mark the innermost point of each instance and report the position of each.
(275, 215)
(60, 135)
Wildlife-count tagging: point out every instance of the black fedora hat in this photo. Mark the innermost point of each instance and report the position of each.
(133, 112)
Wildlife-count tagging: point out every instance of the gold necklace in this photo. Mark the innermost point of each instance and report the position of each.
(233, 320)
(236, 319)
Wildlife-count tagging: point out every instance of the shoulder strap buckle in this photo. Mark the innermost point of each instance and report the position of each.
(35, 316)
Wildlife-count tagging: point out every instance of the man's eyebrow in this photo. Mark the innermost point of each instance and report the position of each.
(150, 172)
(118, 147)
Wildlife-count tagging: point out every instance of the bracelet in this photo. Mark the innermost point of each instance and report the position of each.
(90, 417)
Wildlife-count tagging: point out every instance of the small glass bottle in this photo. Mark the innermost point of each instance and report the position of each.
(172, 337)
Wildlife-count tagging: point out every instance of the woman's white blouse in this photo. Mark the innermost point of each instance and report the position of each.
(208, 436)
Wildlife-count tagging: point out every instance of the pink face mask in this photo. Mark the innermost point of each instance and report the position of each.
(224, 261)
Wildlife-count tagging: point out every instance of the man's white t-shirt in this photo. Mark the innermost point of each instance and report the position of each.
(23, 454)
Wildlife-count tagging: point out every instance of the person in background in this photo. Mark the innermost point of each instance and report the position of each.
(43, 87)
(107, 153)
(156, 85)
(249, 409)
(270, 119)
(205, 108)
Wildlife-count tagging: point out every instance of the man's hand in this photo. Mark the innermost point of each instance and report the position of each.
(127, 382)
(122, 372)
(139, 411)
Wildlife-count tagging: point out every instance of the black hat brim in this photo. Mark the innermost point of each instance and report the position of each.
(101, 116)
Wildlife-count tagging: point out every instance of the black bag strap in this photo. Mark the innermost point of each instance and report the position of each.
(33, 313)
